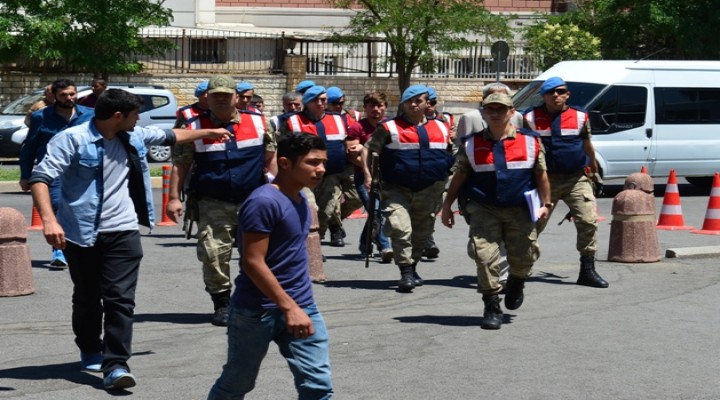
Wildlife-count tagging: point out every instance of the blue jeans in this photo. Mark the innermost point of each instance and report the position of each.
(382, 241)
(249, 335)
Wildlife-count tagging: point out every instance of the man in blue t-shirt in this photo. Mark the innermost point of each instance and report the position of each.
(273, 299)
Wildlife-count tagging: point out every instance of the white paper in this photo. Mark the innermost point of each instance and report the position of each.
(533, 201)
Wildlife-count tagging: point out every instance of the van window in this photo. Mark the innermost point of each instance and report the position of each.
(619, 108)
(687, 105)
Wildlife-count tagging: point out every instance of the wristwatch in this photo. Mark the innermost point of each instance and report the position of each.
(548, 205)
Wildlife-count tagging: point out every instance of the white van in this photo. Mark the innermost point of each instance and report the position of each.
(659, 114)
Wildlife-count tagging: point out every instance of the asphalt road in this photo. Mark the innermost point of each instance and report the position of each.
(652, 335)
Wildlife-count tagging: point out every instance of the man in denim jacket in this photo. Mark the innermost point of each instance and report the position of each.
(106, 193)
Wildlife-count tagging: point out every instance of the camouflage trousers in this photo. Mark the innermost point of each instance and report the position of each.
(490, 228)
(576, 191)
(410, 218)
(217, 230)
(350, 197)
(327, 197)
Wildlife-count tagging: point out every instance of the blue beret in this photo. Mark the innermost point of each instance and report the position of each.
(201, 88)
(244, 87)
(432, 94)
(550, 84)
(312, 93)
(303, 86)
(334, 94)
(413, 91)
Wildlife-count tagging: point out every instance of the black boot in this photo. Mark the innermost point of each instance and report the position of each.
(407, 281)
(514, 296)
(416, 278)
(336, 236)
(431, 250)
(221, 301)
(493, 314)
(588, 275)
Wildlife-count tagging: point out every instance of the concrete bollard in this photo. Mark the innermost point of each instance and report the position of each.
(15, 267)
(640, 181)
(317, 271)
(633, 238)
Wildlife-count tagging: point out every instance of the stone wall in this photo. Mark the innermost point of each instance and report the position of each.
(458, 92)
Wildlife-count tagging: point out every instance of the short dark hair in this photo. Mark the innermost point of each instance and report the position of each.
(116, 100)
(256, 99)
(61, 84)
(375, 98)
(101, 82)
(294, 145)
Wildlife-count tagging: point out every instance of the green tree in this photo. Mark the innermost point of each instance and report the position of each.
(99, 36)
(635, 29)
(417, 29)
(555, 42)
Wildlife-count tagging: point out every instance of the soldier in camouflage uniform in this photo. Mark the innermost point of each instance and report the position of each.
(565, 133)
(414, 163)
(225, 173)
(332, 128)
(495, 168)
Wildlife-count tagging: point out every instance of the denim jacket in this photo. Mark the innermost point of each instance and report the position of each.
(76, 156)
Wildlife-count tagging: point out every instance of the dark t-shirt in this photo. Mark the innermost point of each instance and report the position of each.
(267, 210)
(361, 130)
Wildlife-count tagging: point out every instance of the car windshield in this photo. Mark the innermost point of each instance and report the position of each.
(21, 105)
(581, 94)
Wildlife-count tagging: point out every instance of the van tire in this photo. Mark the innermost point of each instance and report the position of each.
(700, 182)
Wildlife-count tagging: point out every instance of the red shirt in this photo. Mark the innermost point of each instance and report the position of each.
(361, 130)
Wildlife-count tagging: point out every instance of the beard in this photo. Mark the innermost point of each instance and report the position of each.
(67, 104)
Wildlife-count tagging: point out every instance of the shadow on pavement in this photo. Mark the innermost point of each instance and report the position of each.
(547, 277)
(67, 371)
(452, 320)
(460, 281)
(175, 318)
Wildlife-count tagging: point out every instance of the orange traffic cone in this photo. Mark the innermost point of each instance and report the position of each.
(35, 222)
(711, 226)
(357, 214)
(671, 217)
(643, 170)
(167, 171)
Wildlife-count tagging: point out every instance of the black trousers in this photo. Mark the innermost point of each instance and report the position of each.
(104, 278)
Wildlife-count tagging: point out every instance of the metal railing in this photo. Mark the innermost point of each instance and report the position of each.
(218, 51)
(374, 59)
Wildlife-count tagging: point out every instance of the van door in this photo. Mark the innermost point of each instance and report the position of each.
(688, 122)
(622, 131)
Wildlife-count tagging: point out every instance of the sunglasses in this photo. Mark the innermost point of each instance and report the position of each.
(338, 103)
(557, 91)
(433, 102)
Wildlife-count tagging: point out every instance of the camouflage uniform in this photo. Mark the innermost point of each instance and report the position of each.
(576, 191)
(410, 218)
(217, 223)
(492, 225)
(410, 215)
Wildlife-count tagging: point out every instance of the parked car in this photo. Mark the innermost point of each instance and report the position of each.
(159, 110)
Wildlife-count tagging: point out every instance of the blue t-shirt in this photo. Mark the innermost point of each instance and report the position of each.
(267, 210)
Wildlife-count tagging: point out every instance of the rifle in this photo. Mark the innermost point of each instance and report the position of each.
(191, 214)
(374, 216)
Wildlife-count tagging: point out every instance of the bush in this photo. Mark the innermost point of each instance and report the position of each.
(554, 42)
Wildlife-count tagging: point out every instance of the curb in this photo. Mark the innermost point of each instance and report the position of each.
(693, 252)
